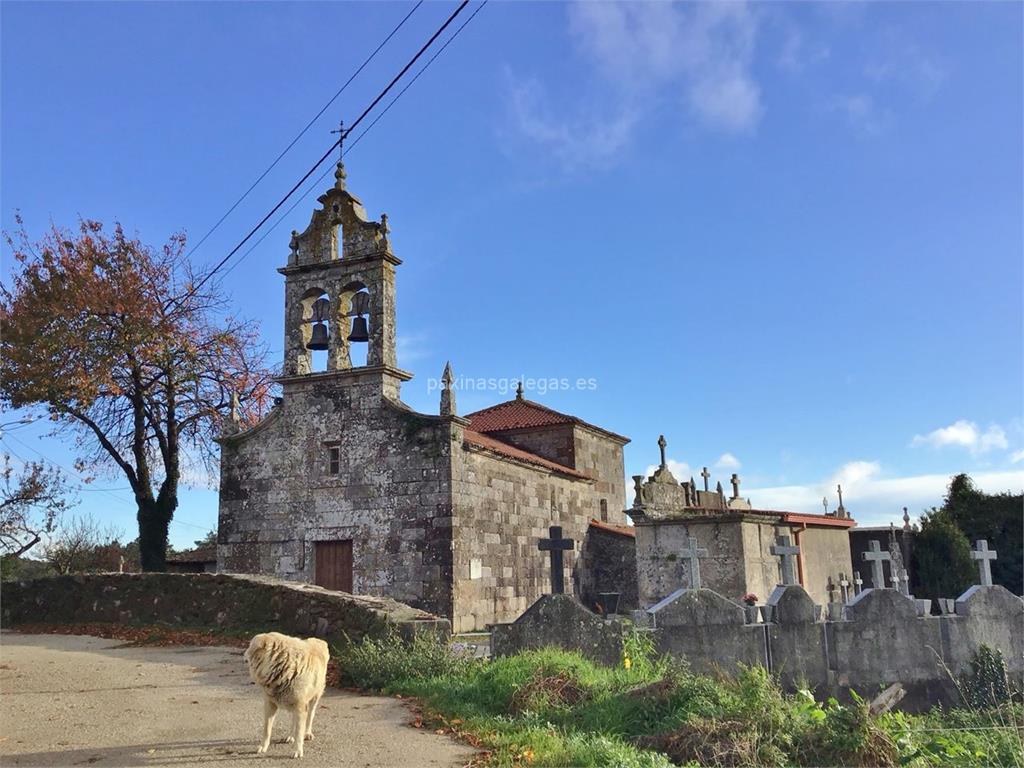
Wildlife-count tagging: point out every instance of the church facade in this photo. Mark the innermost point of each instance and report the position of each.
(345, 486)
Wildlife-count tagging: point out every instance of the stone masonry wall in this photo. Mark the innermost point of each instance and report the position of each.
(608, 564)
(501, 509)
(246, 603)
(390, 497)
(881, 639)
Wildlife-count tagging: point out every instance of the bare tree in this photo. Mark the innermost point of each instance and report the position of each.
(31, 501)
(81, 546)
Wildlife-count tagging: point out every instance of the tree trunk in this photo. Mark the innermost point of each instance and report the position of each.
(154, 520)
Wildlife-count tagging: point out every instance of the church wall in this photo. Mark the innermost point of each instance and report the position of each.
(601, 457)
(391, 496)
(552, 442)
(501, 509)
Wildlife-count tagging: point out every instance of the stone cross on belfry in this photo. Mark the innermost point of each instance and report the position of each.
(781, 548)
(341, 140)
(984, 556)
(735, 480)
(555, 544)
(876, 556)
(693, 554)
(661, 445)
(707, 476)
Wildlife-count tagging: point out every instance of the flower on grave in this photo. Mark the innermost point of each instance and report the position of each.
(627, 662)
(750, 598)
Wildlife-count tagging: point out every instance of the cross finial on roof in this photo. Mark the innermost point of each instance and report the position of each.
(447, 377)
(661, 446)
(735, 480)
(707, 476)
(519, 390)
(839, 489)
(824, 503)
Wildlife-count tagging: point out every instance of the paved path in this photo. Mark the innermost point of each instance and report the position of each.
(70, 700)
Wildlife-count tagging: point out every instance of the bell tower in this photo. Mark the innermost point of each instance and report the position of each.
(340, 291)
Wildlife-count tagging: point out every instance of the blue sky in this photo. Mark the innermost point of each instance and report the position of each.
(786, 235)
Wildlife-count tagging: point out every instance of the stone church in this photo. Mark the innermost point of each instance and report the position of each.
(345, 486)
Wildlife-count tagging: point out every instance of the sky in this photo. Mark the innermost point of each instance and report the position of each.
(787, 236)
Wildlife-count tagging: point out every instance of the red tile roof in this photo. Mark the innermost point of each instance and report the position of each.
(809, 519)
(478, 440)
(526, 414)
(621, 530)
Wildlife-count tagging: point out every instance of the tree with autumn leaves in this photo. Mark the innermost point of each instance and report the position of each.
(131, 353)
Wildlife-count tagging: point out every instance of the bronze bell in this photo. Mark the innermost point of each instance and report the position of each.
(360, 331)
(318, 340)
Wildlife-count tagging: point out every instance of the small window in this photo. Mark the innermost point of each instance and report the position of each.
(604, 510)
(334, 460)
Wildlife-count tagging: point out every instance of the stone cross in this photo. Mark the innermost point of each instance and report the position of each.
(693, 555)
(844, 587)
(830, 586)
(781, 548)
(735, 480)
(984, 556)
(905, 582)
(707, 476)
(824, 503)
(661, 446)
(876, 556)
(555, 544)
(858, 584)
(894, 577)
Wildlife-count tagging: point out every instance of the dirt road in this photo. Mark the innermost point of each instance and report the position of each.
(69, 700)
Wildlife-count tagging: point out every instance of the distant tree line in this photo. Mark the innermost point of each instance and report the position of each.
(942, 564)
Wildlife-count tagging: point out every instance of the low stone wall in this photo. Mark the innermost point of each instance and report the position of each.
(224, 601)
(881, 639)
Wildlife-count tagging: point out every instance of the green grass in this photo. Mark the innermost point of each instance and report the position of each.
(554, 708)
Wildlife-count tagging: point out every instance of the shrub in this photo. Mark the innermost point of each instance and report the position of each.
(376, 664)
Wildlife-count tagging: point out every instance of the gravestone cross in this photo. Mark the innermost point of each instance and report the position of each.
(707, 476)
(661, 446)
(693, 555)
(894, 577)
(984, 556)
(830, 586)
(735, 480)
(555, 544)
(844, 587)
(876, 556)
(858, 583)
(905, 582)
(781, 548)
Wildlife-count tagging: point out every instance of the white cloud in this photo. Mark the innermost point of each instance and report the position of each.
(680, 470)
(965, 434)
(862, 112)
(727, 461)
(698, 54)
(871, 497)
(1016, 457)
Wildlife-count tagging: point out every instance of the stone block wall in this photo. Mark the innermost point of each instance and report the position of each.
(391, 496)
(227, 601)
(880, 640)
(607, 563)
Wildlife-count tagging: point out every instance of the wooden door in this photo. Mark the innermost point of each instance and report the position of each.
(334, 565)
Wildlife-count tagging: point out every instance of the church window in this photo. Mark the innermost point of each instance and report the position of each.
(604, 510)
(334, 460)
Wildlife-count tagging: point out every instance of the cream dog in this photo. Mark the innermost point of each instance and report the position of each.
(292, 673)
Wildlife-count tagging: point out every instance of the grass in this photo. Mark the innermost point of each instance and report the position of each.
(554, 708)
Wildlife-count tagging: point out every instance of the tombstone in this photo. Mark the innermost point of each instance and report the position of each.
(792, 605)
(858, 584)
(905, 583)
(555, 544)
(692, 555)
(984, 556)
(781, 548)
(830, 587)
(876, 556)
(844, 588)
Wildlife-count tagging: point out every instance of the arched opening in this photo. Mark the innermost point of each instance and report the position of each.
(316, 328)
(354, 323)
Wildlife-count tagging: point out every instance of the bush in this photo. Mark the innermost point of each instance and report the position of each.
(377, 664)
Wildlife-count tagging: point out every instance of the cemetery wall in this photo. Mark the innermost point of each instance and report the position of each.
(206, 600)
(881, 638)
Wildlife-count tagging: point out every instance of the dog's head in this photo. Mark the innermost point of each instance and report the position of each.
(256, 648)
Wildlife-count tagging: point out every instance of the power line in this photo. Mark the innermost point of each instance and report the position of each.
(327, 154)
(366, 130)
(306, 128)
